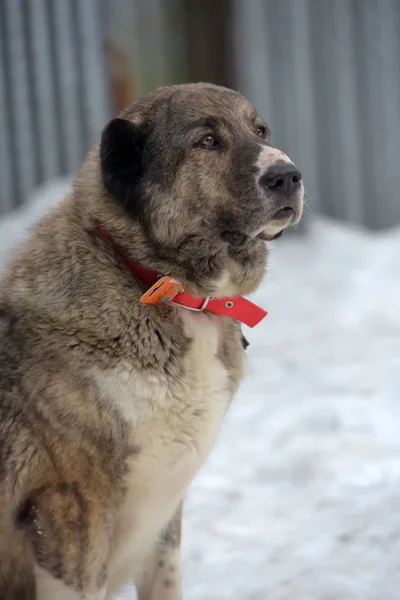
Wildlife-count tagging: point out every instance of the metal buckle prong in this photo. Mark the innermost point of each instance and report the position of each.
(202, 307)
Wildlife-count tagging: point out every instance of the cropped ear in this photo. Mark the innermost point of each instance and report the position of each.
(121, 159)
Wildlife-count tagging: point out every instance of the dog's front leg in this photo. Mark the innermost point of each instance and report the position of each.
(162, 578)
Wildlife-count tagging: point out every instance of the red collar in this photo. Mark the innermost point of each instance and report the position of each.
(237, 307)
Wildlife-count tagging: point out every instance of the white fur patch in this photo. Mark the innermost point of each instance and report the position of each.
(174, 424)
(165, 583)
(270, 156)
(224, 286)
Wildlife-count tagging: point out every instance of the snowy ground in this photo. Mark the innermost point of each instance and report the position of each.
(301, 498)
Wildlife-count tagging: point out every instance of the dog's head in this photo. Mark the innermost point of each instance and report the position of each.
(193, 165)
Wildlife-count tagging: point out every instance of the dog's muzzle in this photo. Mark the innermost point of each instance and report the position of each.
(285, 180)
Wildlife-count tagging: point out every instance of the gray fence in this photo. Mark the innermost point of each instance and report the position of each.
(326, 75)
(53, 99)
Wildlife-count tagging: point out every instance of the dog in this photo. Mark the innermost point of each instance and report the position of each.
(121, 344)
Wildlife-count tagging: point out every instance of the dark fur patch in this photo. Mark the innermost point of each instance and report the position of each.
(40, 517)
(17, 580)
(245, 343)
(18, 589)
(56, 520)
(121, 156)
(172, 534)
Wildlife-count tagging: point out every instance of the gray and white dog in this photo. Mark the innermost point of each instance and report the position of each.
(108, 404)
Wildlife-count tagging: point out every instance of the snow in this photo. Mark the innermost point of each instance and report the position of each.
(300, 499)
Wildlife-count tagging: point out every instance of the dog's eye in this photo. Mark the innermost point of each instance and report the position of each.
(209, 141)
(261, 131)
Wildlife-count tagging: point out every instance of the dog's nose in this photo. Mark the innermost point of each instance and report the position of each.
(284, 179)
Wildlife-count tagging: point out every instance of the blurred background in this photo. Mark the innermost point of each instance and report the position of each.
(300, 499)
(324, 73)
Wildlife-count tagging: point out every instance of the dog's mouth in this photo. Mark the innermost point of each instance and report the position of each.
(268, 238)
(282, 218)
(238, 238)
(287, 212)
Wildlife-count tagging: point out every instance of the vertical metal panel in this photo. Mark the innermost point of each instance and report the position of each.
(347, 148)
(252, 56)
(287, 32)
(53, 97)
(378, 52)
(274, 72)
(68, 81)
(19, 108)
(92, 59)
(6, 165)
(46, 141)
(300, 104)
(325, 84)
(326, 74)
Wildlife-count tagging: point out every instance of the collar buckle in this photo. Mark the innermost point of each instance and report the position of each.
(202, 307)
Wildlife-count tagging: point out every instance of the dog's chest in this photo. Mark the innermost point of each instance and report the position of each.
(175, 422)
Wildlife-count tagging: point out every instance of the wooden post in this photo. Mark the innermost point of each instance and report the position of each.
(208, 32)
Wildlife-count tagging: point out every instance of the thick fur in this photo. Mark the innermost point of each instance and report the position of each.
(108, 407)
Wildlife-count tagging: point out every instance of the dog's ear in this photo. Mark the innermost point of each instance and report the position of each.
(121, 158)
